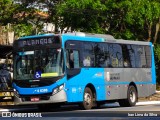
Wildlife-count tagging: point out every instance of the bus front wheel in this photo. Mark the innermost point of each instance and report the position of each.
(87, 99)
(131, 97)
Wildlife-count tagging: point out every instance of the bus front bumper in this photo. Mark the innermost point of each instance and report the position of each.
(57, 98)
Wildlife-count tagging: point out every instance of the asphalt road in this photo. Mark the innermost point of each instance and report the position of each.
(113, 111)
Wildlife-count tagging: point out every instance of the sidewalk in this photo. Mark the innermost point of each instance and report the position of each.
(154, 97)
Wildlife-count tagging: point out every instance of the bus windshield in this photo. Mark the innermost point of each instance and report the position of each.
(37, 64)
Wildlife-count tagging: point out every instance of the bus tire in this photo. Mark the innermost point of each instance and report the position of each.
(87, 99)
(131, 97)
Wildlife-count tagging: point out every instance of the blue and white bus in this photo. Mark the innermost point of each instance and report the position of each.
(84, 69)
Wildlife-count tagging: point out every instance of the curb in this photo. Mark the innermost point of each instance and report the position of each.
(157, 91)
(148, 103)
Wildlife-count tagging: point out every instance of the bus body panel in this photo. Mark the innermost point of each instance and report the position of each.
(118, 80)
(153, 71)
(24, 95)
(36, 91)
(39, 90)
(57, 98)
(78, 83)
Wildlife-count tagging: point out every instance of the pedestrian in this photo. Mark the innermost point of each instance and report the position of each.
(5, 77)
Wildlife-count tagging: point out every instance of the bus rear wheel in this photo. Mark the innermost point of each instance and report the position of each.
(87, 99)
(131, 97)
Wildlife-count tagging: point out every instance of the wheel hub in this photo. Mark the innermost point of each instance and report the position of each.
(132, 96)
(87, 98)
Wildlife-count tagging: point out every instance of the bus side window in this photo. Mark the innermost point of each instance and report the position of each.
(126, 56)
(148, 56)
(87, 61)
(89, 50)
(73, 59)
(115, 52)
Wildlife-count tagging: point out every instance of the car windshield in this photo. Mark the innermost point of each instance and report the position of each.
(38, 64)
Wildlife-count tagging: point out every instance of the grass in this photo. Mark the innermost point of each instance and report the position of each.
(158, 87)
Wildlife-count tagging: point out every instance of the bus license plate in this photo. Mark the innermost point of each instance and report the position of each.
(34, 99)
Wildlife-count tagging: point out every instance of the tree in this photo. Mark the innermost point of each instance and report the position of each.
(82, 15)
(146, 15)
(119, 18)
(42, 5)
(157, 60)
(7, 9)
(28, 17)
(136, 19)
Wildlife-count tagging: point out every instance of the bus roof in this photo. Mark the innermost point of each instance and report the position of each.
(107, 38)
(101, 38)
(37, 36)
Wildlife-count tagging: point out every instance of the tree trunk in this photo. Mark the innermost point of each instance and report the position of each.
(149, 32)
(157, 30)
(56, 25)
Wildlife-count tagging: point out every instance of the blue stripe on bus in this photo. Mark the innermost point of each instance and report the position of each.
(34, 91)
(153, 72)
(126, 83)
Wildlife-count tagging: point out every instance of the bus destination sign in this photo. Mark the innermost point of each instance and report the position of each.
(37, 41)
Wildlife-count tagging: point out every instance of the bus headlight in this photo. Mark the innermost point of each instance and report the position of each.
(16, 93)
(57, 89)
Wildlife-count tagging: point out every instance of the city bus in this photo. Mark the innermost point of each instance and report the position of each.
(81, 68)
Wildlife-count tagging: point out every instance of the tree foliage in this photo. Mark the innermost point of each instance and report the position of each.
(42, 5)
(132, 19)
(7, 9)
(127, 19)
(82, 15)
(157, 60)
